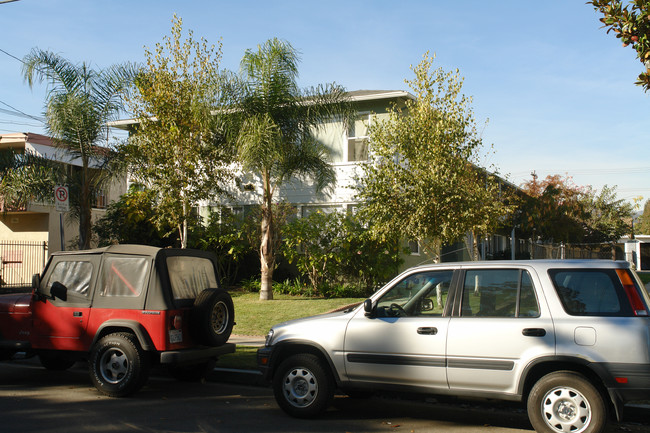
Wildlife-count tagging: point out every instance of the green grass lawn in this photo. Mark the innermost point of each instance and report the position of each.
(255, 317)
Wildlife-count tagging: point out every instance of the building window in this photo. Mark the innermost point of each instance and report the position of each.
(101, 200)
(414, 248)
(357, 149)
(326, 209)
(357, 139)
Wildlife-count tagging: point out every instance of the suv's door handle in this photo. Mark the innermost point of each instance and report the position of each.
(77, 314)
(428, 330)
(534, 332)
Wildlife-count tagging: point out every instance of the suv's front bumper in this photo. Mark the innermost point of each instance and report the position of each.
(189, 356)
(264, 361)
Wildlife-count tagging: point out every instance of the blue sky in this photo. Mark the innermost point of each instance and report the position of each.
(556, 91)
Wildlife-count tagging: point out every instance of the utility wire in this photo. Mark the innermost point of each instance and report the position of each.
(12, 56)
(593, 171)
(17, 112)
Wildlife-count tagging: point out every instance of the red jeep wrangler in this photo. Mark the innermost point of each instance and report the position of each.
(124, 308)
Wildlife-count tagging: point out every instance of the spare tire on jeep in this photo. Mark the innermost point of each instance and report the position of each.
(212, 317)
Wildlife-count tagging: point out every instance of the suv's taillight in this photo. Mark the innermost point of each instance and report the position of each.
(177, 322)
(632, 293)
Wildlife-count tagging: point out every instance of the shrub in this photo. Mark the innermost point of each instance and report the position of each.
(251, 285)
(338, 255)
(131, 220)
(229, 237)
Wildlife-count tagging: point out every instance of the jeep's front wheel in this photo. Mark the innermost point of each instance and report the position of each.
(302, 386)
(565, 401)
(118, 365)
(213, 317)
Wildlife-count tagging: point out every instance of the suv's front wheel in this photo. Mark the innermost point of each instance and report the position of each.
(302, 387)
(565, 401)
(118, 365)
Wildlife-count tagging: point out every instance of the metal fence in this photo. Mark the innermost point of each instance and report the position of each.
(500, 248)
(19, 260)
(532, 250)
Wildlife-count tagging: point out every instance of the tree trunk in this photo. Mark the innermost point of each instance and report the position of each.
(184, 234)
(267, 255)
(267, 259)
(85, 208)
(475, 255)
(182, 229)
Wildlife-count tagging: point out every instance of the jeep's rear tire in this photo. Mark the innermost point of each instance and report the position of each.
(56, 362)
(118, 365)
(302, 386)
(565, 401)
(213, 317)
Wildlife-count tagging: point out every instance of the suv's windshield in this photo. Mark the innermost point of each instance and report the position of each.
(190, 275)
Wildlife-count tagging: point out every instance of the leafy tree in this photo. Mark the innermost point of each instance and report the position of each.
(558, 210)
(177, 148)
(422, 181)
(631, 24)
(80, 102)
(608, 217)
(552, 209)
(276, 123)
(642, 226)
(24, 178)
(130, 220)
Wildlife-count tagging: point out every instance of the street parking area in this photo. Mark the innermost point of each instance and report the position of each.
(33, 399)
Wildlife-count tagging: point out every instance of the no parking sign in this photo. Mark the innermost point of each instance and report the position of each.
(61, 198)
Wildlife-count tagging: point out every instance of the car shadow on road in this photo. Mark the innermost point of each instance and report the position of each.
(32, 397)
(479, 413)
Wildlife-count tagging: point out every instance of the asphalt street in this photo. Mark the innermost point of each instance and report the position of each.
(33, 399)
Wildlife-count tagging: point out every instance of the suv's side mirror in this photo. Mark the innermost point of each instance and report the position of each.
(60, 291)
(36, 281)
(367, 307)
(427, 305)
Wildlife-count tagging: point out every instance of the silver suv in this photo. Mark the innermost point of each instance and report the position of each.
(570, 338)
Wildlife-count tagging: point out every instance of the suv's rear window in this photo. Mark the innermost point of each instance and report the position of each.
(591, 292)
(190, 275)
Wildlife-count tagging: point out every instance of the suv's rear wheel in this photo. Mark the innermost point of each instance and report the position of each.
(302, 387)
(213, 317)
(566, 402)
(118, 365)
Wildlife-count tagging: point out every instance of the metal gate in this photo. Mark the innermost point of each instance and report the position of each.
(19, 260)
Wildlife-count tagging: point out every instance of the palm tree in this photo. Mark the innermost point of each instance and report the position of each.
(276, 126)
(80, 102)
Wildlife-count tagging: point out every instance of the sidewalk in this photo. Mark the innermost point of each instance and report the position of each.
(247, 340)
